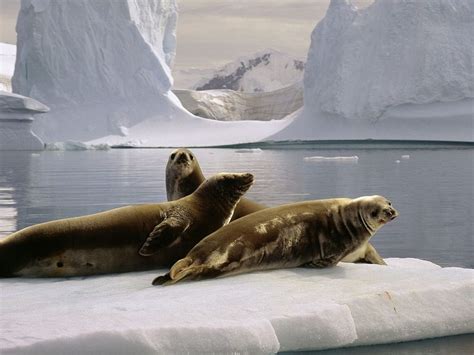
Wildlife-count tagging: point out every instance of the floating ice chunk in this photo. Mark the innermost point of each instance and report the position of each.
(262, 312)
(72, 145)
(406, 156)
(397, 161)
(354, 158)
(249, 150)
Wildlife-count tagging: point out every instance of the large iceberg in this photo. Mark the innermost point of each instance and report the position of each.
(394, 70)
(103, 67)
(263, 312)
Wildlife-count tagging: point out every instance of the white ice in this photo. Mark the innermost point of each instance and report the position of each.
(317, 158)
(16, 117)
(263, 312)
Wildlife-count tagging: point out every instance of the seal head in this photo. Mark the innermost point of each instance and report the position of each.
(183, 174)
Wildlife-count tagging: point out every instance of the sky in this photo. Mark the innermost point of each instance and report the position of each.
(214, 32)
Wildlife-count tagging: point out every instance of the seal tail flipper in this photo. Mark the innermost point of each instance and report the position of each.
(180, 267)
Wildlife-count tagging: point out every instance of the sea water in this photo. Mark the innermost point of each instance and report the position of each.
(431, 188)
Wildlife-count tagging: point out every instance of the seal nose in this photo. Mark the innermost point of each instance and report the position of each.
(182, 158)
(391, 213)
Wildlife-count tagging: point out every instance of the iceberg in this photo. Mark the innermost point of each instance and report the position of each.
(103, 67)
(393, 70)
(258, 313)
(16, 118)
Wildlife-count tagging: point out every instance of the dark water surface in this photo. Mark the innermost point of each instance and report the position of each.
(432, 189)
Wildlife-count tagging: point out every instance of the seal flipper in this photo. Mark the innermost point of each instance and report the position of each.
(163, 235)
(161, 280)
(372, 257)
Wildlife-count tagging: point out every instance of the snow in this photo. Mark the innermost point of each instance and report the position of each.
(264, 71)
(7, 65)
(16, 118)
(354, 158)
(263, 312)
(393, 70)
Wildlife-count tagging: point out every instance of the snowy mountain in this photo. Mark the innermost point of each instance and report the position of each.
(394, 70)
(264, 71)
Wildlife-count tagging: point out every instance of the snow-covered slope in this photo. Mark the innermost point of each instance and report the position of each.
(265, 312)
(7, 65)
(264, 71)
(230, 105)
(396, 69)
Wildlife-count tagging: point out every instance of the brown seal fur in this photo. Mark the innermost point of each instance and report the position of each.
(184, 175)
(110, 241)
(315, 233)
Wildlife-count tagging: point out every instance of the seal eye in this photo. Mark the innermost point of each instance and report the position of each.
(374, 214)
(172, 156)
(191, 156)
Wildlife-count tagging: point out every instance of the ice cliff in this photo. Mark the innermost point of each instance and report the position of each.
(396, 69)
(230, 105)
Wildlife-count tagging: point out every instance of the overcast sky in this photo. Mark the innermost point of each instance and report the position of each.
(214, 32)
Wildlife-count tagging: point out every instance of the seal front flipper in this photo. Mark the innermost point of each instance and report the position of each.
(164, 234)
(372, 257)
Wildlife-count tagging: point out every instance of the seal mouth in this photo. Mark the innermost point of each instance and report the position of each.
(247, 180)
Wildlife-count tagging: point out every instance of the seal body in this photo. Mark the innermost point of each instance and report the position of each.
(316, 233)
(110, 241)
(184, 175)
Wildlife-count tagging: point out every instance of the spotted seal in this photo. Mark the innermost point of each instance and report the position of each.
(316, 233)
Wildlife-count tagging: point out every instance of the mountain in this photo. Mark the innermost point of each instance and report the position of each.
(264, 71)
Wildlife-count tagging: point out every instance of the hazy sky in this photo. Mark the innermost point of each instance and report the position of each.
(213, 32)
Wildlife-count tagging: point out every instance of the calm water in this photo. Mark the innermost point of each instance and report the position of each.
(432, 190)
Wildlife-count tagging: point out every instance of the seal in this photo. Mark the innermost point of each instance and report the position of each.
(317, 233)
(184, 175)
(130, 238)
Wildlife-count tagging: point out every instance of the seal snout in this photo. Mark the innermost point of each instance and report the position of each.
(391, 213)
